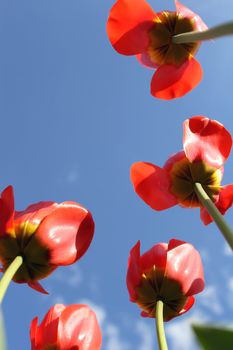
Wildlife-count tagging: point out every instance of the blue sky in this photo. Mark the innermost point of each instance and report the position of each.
(74, 116)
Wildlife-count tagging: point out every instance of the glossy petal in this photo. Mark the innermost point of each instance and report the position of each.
(79, 329)
(152, 184)
(170, 81)
(184, 265)
(128, 24)
(34, 213)
(156, 256)
(186, 12)
(134, 271)
(225, 201)
(7, 211)
(67, 232)
(65, 328)
(47, 333)
(207, 140)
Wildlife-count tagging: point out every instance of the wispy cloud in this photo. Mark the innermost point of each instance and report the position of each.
(209, 298)
(227, 250)
(147, 335)
(179, 332)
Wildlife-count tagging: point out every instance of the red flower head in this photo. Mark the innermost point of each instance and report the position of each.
(72, 327)
(169, 272)
(135, 29)
(207, 145)
(46, 235)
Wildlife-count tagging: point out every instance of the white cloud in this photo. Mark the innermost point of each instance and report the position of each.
(113, 339)
(147, 335)
(99, 310)
(227, 250)
(179, 332)
(210, 299)
(71, 275)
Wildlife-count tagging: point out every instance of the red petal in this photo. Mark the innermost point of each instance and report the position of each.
(207, 140)
(7, 211)
(134, 272)
(225, 201)
(189, 303)
(170, 81)
(156, 256)
(46, 334)
(145, 60)
(78, 328)
(67, 232)
(128, 25)
(34, 213)
(37, 286)
(34, 334)
(187, 13)
(184, 266)
(152, 184)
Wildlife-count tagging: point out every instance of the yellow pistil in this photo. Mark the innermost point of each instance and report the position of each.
(185, 174)
(162, 50)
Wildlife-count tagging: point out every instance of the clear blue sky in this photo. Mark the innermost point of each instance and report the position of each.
(74, 116)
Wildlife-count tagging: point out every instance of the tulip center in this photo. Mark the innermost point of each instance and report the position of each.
(161, 49)
(35, 255)
(155, 286)
(185, 174)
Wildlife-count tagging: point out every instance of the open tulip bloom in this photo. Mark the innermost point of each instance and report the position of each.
(43, 236)
(72, 327)
(168, 275)
(135, 29)
(206, 146)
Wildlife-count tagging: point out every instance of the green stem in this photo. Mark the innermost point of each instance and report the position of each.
(8, 275)
(215, 213)
(212, 33)
(160, 326)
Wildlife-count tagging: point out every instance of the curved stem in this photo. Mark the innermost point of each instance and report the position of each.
(8, 275)
(212, 33)
(215, 214)
(160, 326)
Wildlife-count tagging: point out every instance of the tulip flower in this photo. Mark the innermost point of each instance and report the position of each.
(191, 178)
(171, 273)
(206, 146)
(72, 327)
(45, 235)
(134, 28)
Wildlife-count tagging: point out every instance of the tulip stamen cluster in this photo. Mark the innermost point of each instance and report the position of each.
(162, 50)
(185, 174)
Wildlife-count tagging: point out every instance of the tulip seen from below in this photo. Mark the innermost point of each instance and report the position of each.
(163, 280)
(72, 327)
(45, 235)
(206, 146)
(134, 28)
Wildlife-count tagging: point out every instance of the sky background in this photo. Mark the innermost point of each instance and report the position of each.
(74, 116)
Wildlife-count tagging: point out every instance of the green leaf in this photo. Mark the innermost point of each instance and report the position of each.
(214, 337)
(2, 333)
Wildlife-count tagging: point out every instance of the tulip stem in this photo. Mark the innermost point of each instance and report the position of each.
(160, 326)
(215, 214)
(8, 275)
(211, 33)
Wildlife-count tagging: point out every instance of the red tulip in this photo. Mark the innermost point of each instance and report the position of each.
(207, 145)
(72, 327)
(170, 272)
(135, 29)
(46, 235)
